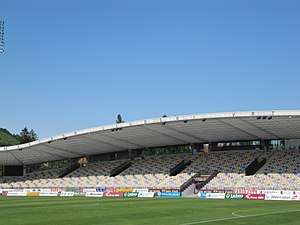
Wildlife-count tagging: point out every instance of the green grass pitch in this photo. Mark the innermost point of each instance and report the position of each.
(85, 211)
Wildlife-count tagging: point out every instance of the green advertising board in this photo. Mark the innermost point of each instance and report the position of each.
(234, 196)
(131, 194)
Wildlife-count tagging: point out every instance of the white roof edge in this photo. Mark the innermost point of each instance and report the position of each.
(217, 115)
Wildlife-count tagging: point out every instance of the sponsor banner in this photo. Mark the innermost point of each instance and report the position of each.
(113, 194)
(49, 194)
(46, 190)
(124, 190)
(57, 189)
(86, 190)
(155, 190)
(268, 191)
(202, 195)
(140, 190)
(215, 196)
(217, 191)
(169, 190)
(100, 189)
(255, 196)
(71, 189)
(15, 194)
(12, 190)
(29, 190)
(283, 197)
(234, 196)
(33, 194)
(169, 194)
(131, 194)
(279, 192)
(146, 194)
(94, 194)
(245, 191)
(67, 194)
(110, 189)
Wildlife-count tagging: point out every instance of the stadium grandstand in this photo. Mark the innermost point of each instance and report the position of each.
(230, 151)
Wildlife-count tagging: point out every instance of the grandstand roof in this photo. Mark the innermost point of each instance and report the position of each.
(173, 130)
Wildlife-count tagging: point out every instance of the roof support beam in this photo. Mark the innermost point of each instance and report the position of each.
(125, 141)
(167, 135)
(240, 129)
(16, 158)
(105, 143)
(201, 140)
(50, 153)
(260, 128)
(63, 150)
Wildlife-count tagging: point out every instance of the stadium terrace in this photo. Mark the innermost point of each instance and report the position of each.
(252, 155)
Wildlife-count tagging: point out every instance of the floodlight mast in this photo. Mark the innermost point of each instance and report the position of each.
(2, 37)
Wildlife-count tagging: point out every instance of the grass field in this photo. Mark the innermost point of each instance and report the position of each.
(84, 211)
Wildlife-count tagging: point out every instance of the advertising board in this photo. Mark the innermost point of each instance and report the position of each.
(45, 190)
(16, 194)
(113, 194)
(12, 190)
(245, 191)
(169, 194)
(33, 194)
(124, 190)
(283, 197)
(255, 196)
(67, 194)
(146, 194)
(94, 194)
(57, 189)
(130, 194)
(100, 189)
(215, 195)
(202, 195)
(139, 190)
(48, 194)
(234, 196)
(110, 189)
(155, 190)
(85, 190)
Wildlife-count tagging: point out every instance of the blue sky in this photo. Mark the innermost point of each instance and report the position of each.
(77, 64)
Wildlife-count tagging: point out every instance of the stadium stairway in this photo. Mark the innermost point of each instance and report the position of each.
(179, 167)
(119, 169)
(199, 180)
(189, 192)
(69, 170)
(255, 166)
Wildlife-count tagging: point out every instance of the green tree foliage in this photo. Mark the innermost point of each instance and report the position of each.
(26, 136)
(119, 119)
(9, 139)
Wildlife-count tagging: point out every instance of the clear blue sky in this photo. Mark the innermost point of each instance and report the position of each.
(77, 64)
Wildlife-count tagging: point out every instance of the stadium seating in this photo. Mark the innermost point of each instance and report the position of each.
(34, 179)
(281, 171)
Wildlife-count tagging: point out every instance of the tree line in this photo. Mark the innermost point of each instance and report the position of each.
(26, 135)
(7, 138)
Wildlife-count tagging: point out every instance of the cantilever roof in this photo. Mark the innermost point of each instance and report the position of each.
(174, 130)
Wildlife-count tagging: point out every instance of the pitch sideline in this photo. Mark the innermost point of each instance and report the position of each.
(237, 216)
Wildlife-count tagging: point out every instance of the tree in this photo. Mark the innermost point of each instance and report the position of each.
(7, 138)
(26, 136)
(119, 119)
